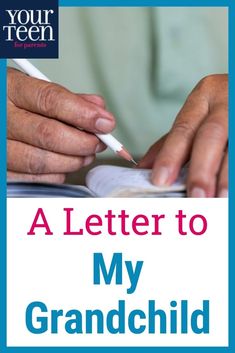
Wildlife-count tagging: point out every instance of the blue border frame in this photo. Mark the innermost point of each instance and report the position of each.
(3, 297)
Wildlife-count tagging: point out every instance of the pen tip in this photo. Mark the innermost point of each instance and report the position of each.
(133, 161)
(126, 155)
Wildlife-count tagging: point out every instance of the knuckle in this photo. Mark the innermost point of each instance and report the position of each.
(214, 86)
(47, 98)
(213, 82)
(212, 130)
(184, 129)
(46, 135)
(36, 162)
(207, 81)
(88, 118)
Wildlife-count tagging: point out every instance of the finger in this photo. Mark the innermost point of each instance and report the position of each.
(222, 188)
(24, 158)
(148, 160)
(207, 154)
(177, 146)
(93, 98)
(55, 101)
(46, 178)
(50, 134)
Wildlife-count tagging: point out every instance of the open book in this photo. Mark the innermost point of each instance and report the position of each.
(103, 181)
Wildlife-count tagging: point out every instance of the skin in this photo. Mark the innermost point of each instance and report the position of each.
(50, 129)
(49, 134)
(199, 135)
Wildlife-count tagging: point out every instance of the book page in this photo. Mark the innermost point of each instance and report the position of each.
(30, 189)
(107, 180)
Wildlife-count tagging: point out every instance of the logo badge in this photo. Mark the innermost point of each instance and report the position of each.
(29, 29)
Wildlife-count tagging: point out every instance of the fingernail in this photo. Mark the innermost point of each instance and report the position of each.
(197, 192)
(161, 176)
(99, 147)
(88, 160)
(104, 125)
(223, 193)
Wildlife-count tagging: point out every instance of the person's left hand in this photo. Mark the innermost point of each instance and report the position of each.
(199, 135)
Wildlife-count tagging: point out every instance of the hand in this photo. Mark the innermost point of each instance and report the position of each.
(50, 129)
(199, 135)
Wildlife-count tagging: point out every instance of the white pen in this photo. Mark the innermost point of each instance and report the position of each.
(108, 139)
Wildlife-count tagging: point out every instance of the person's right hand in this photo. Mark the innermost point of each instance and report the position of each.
(50, 130)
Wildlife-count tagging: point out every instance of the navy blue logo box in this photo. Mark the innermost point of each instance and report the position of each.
(29, 29)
